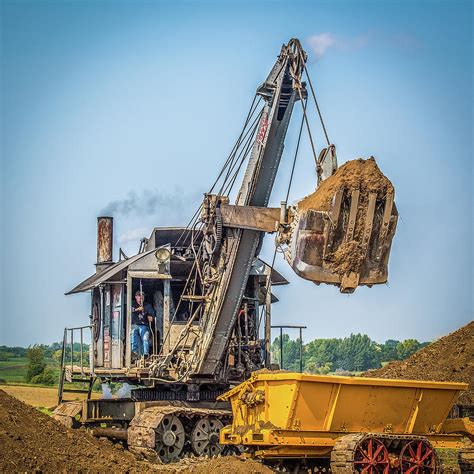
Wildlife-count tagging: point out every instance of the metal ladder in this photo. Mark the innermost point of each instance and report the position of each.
(70, 373)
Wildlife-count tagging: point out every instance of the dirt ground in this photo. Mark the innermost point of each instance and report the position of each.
(37, 396)
(449, 359)
(31, 441)
(224, 465)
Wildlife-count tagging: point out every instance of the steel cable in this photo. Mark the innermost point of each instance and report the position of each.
(317, 105)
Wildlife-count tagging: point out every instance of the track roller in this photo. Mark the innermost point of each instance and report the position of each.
(205, 437)
(170, 438)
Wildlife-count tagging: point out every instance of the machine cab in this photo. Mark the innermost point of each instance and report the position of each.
(161, 270)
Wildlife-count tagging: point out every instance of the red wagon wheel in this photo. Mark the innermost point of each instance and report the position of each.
(418, 457)
(371, 456)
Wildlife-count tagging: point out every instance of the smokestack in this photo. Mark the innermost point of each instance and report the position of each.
(105, 226)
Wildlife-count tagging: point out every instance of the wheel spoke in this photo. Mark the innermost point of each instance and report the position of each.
(418, 450)
(377, 451)
(371, 456)
(364, 454)
(416, 457)
(428, 452)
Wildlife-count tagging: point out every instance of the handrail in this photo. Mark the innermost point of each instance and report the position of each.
(68, 341)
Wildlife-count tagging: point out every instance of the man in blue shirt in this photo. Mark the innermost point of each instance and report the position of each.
(142, 316)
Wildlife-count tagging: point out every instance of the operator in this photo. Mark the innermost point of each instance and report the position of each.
(142, 317)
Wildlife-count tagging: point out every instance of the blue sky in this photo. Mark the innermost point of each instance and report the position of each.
(102, 99)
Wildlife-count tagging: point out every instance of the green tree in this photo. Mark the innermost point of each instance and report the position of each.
(389, 350)
(320, 355)
(57, 355)
(407, 348)
(36, 363)
(56, 346)
(45, 378)
(357, 353)
(14, 351)
(291, 353)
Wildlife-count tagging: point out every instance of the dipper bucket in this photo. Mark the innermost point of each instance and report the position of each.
(342, 233)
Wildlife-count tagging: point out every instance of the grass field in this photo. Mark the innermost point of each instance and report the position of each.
(13, 381)
(14, 370)
(39, 396)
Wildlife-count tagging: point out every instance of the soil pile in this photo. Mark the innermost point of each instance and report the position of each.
(449, 359)
(223, 464)
(362, 175)
(31, 441)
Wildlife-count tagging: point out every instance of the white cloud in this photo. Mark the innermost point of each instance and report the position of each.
(322, 42)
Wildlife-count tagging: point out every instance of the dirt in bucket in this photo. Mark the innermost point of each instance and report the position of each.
(362, 175)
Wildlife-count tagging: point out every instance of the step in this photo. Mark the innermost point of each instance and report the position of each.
(75, 390)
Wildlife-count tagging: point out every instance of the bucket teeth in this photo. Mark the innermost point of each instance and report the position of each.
(352, 215)
(385, 225)
(334, 220)
(347, 244)
(369, 222)
(349, 282)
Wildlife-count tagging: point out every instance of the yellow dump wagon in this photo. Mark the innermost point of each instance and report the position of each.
(344, 424)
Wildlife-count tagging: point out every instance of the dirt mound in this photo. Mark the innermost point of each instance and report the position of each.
(223, 464)
(31, 441)
(362, 175)
(449, 359)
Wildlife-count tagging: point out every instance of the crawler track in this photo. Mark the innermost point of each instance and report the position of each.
(382, 453)
(170, 431)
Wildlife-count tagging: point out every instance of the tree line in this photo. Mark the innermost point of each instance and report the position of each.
(50, 351)
(356, 353)
(43, 358)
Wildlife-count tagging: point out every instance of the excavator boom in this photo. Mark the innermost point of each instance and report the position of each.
(280, 91)
(340, 235)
